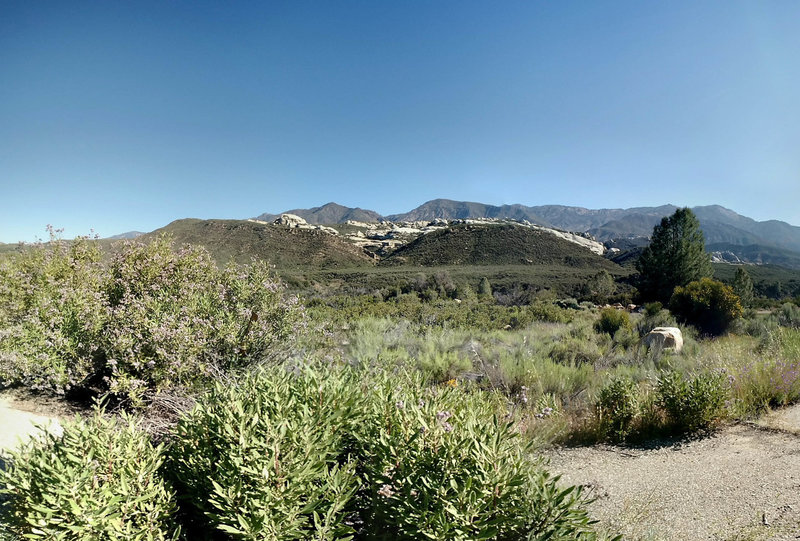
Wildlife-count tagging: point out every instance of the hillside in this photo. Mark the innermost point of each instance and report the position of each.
(240, 240)
(720, 225)
(501, 244)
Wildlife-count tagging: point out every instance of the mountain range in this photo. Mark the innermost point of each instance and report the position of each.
(720, 225)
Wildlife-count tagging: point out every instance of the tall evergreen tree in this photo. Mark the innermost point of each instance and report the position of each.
(676, 256)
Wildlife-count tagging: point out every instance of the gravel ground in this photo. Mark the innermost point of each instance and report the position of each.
(743, 483)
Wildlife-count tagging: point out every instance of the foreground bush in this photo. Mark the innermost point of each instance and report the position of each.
(440, 464)
(51, 315)
(175, 318)
(150, 319)
(99, 481)
(332, 454)
(268, 458)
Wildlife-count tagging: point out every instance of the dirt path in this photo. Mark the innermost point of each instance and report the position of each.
(20, 415)
(743, 483)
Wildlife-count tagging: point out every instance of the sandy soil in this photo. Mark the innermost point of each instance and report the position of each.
(21, 415)
(742, 483)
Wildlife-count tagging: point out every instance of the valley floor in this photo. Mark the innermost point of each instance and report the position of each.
(743, 483)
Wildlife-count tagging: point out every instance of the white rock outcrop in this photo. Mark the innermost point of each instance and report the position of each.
(290, 220)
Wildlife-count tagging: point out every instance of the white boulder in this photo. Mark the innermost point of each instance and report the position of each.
(666, 338)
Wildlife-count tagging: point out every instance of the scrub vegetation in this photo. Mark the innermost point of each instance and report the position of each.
(410, 411)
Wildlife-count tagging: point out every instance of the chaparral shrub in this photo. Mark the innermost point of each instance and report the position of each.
(269, 458)
(175, 318)
(153, 317)
(617, 407)
(51, 314)
(707, 304)
(439, 463)
(611, 320)
(330, 453)
(99, 480)
(693, 403)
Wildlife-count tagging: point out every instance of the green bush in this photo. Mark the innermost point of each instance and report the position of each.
(51, 314)
(693, 404)
(175, 318)
(707, 304)
(330, 453)
(268, 458)
(611, 320)
(788, 315)
(99, 480)
(617, 407)
(438, 463)
(152, 318)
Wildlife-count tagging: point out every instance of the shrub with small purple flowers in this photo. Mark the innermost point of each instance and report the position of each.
(154, 317)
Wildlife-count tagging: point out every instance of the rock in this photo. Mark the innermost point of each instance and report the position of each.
(326, 229)
(290, 220)
(666, 338)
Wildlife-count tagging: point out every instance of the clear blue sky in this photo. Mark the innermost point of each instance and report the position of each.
(125, 116)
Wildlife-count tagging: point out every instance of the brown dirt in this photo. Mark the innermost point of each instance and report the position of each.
(742, 483)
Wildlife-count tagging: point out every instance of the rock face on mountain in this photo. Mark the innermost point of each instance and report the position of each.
(290, 220)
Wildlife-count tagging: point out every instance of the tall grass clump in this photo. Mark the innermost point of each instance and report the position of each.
(99, 480)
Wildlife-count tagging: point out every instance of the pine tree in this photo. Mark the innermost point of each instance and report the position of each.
(743, 286)
(676, 256)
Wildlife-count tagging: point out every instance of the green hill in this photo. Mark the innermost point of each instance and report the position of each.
(241, 240)
(495, 244)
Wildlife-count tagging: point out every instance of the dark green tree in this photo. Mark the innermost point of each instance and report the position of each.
(484, 288)
(743, 286)
(599, 287)
(676, 256)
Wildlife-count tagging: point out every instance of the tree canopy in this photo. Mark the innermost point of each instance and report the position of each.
(676, 256)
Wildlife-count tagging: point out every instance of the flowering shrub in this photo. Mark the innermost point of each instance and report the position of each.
(152, 318)
(175, 318)
(51, 314)
(99, 480)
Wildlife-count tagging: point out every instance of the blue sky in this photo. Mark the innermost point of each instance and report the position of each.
(123, 116)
